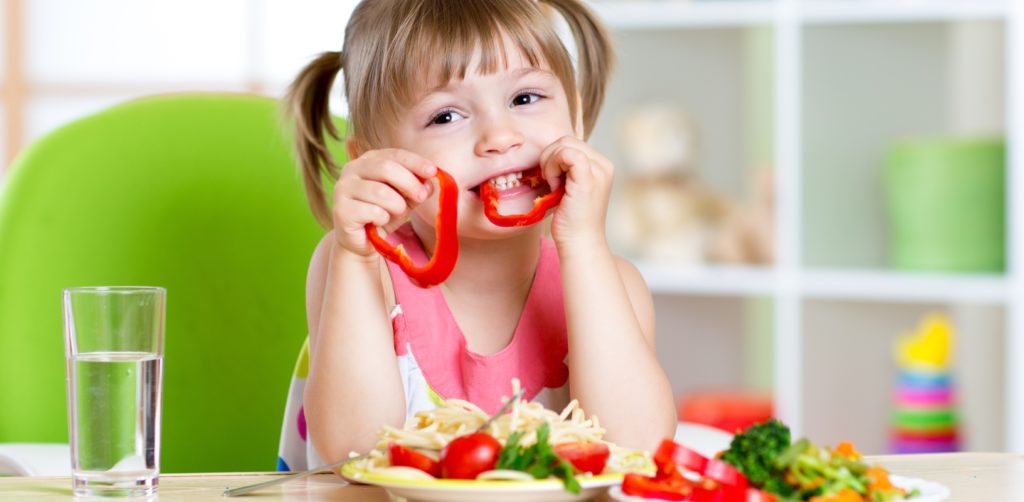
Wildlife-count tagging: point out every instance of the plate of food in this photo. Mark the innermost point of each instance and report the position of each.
(762, 465)
(455, 490)
(456, 452)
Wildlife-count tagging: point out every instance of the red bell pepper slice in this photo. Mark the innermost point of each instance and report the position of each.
(675, 488)
(670, 452)
(720, 481)
(446, 250)
(755, 495)
(725, 474)
(490, 196)
(712, 491)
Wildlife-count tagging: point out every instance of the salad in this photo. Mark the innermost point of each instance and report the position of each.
(762, 464)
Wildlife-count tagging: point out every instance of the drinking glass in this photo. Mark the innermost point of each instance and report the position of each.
(114, 348)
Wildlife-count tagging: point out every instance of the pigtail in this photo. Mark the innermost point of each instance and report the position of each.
(595, 56)
(308, 99)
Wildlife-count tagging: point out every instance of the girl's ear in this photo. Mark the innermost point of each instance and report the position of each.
(353, 148)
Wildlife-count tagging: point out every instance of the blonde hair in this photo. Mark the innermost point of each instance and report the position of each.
(387, 45)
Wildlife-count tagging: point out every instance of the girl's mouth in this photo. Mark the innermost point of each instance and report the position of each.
(518, 200)
(511, 185)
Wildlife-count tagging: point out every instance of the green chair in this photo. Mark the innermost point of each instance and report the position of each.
(196, 193)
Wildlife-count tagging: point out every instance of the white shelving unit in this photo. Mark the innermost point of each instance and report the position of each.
(801, 282)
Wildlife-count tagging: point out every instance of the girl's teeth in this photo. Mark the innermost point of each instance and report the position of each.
(507, 181)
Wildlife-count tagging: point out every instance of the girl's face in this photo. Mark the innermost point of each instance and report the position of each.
(483, 127)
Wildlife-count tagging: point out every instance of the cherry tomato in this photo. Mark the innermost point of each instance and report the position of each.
(467, 456)
(585, 457)
(408, 457)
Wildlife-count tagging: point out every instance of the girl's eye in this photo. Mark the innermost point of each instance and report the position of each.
(526, 98)
(445, 117)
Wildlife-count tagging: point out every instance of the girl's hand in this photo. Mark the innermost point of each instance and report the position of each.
(380, 187)
(579, 219)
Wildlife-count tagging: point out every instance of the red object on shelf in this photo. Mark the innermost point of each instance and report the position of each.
(730, 411)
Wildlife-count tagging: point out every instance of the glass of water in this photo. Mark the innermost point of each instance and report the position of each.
(114, 345)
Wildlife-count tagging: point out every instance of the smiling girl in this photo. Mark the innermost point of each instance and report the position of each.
(486, 91)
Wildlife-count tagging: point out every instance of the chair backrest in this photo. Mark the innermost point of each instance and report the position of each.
(196, 193)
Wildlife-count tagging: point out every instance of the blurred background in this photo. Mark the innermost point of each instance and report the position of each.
(817, 192)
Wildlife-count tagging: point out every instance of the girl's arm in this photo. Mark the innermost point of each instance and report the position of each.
(354, 385)
(613, 368)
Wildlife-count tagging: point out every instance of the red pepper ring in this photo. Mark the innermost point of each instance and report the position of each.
(446, 251)
(725, 474)
(670, 453)
(489, 194)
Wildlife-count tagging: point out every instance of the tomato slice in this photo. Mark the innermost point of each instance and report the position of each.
(585, 457)
(674, 488)
(408, 457)
(467, 456)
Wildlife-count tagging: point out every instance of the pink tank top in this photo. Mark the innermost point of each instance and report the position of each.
(536, 355)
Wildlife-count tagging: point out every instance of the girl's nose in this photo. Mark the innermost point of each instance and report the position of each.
(498, 137)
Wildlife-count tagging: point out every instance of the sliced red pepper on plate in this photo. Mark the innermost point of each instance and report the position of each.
(755, 495)
(671, 452)
(720, 482)
(446, 249)
(725, 474)
(675, 488)
(712, 491)
(491, 195)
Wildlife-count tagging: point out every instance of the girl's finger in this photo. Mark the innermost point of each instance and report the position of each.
(360, 213)
(549, 150)
(381, 195)
(400, 178)
(598, 161)
(573, 162)
(551, 169)
(420, 166)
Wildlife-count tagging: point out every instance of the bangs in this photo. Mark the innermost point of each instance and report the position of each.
(434, 41)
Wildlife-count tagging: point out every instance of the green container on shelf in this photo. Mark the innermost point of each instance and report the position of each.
(946, 202)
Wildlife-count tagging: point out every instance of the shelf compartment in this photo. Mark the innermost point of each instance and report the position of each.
(715, 344)
(866, 87)
(848, 358)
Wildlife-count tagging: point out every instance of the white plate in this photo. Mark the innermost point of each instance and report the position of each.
(930, 490)
(459, 490)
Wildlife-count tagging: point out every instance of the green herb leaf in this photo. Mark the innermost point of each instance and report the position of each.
(538, 460)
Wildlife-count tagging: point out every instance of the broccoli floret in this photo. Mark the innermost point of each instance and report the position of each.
(753, 452)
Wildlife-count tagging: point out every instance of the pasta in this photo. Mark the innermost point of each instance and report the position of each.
(431, 430)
